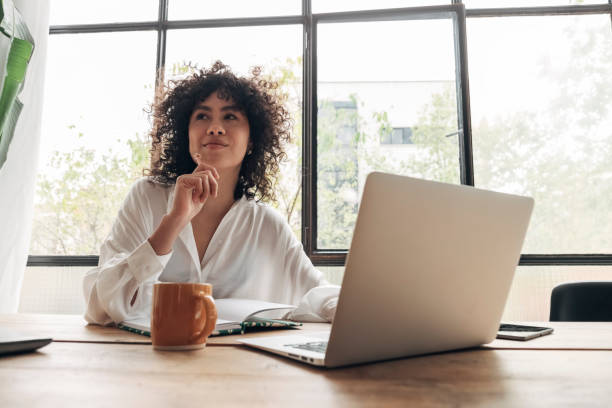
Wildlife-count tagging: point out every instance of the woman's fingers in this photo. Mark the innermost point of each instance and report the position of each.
(205, 187)
(214, 186)
(203, 166)
(206, 167)
(198, 188)
(210, 177)
(209, 183)
(191, 183)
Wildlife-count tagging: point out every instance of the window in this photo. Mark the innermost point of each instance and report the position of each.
(397, 136)
(191, 10)
(380, 84)
(93, 136)
(553, 120)
(242, 48)
(73, 12)
(504, 95)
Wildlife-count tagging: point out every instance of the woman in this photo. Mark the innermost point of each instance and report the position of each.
(218, 142)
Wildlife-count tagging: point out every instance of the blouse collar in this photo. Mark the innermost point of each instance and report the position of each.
(186, 234)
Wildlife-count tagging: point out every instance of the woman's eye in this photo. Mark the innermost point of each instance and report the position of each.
(230, 116)
(200, 116)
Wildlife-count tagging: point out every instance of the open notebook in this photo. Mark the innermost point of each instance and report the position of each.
(235, 315)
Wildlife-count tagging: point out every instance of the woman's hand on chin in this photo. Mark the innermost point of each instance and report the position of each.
(192, 191)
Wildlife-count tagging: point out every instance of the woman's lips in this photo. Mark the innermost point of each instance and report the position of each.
(214, 146)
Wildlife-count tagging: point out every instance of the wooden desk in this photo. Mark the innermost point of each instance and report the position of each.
(97, 366)
(132, 375)
(67, 328)
(566, 336)
(73, 328)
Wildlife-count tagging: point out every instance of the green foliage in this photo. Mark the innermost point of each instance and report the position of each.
(76, 209)
(288, 185)
(349, 148)
(337, 175)
(561, 154)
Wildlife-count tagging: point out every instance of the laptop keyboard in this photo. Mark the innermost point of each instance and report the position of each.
(317, 346)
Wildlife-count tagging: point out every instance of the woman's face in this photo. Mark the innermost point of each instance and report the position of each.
(219, 133)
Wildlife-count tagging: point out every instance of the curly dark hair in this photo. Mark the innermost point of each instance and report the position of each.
(260, 99)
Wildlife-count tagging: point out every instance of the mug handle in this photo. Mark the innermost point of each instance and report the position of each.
(211, 317)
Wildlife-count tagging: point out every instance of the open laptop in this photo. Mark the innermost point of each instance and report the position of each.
(429, 269)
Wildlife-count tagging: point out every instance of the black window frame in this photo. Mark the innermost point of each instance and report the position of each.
(309, 22)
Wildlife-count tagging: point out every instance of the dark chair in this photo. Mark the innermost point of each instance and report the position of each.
(581, 302)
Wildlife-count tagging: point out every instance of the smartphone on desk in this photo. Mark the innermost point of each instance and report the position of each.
(510, 331)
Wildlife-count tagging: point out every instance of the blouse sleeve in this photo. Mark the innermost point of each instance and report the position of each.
(128, 264)
(319, 298)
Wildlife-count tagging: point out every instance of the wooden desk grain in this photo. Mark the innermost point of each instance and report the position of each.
(74, 328)
(567, 335)
(131, 375)
(67, 328)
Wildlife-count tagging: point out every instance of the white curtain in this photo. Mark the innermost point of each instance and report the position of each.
(18, 174)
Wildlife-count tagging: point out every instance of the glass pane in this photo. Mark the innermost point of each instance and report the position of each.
(529, 298)
(333, 274)
(195, 10)
(527, 3)
(326, 6)
(53, 289)
(93, 142)
(108, 11)
(372, 78)
(542, 120)
(242, 48)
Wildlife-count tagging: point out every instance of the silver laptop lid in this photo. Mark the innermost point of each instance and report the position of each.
(429, 269)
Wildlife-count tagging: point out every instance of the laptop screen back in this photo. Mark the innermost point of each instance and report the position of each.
(429, 269)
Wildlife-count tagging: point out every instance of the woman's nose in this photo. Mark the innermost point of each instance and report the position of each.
(216, 130)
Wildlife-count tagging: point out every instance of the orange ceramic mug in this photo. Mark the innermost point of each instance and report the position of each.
(184, 315)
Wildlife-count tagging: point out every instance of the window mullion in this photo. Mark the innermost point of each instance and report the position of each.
(309, 132)
(464, 133)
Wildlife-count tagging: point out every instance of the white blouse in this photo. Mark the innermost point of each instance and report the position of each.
(253, 254)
